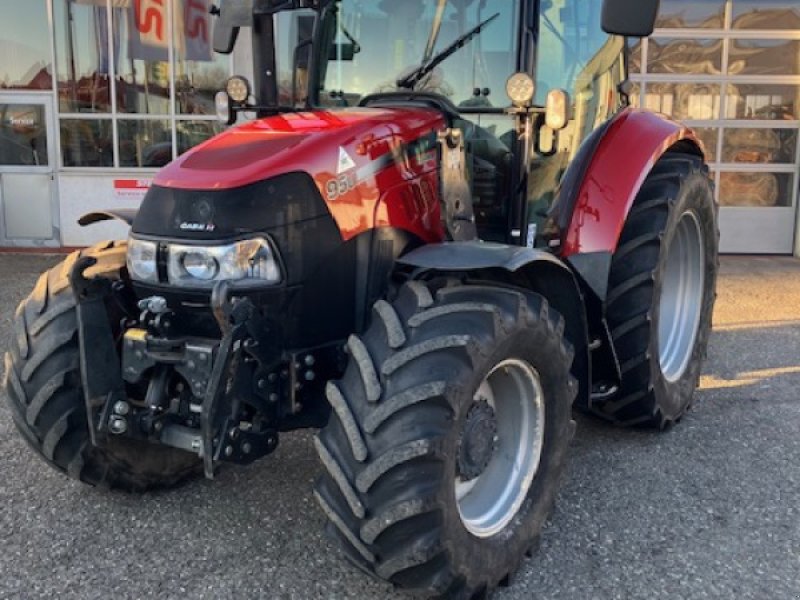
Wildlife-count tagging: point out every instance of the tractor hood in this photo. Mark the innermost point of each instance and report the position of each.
(323, 144)
(364, 167)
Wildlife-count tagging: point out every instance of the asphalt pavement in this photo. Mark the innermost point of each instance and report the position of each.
(708, 509)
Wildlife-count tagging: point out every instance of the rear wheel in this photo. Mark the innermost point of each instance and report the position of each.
(448, 436)
(45, 395)
(661, 293)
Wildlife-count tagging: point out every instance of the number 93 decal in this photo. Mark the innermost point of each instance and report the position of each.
(339, 186)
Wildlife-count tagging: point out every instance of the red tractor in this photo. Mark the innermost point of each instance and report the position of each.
(444, 228)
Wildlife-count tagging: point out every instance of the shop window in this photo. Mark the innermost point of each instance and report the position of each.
(680, 14)
(144, 142)
(635, 96)
(191, 133)
(709, 137)
(635, 55)
(82, 57)
(199, 72)
(696, 101)
(757, 189)
(684, 56)
(764, 57)
(142, 57)
(23, 135)
(25, 45)
(766, 14)
(759, 145)
(763, 101)
(86, 143)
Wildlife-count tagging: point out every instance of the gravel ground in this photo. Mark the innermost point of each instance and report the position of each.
(709, 509)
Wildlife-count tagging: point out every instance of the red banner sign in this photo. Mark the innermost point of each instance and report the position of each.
(148, 29)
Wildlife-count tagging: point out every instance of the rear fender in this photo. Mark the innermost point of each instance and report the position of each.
(528, 268)
(612, 177)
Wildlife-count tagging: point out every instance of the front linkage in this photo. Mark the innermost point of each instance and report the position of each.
(222, 399)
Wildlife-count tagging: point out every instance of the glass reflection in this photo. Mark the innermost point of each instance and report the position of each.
(24, 46)
(23, 135)
(696, 57)
(764, 57)
(762, 101)
(191, 133)
(684, 100)
(199, 72)
(635, 96)
(86, 143)
(142, 57)
(144, 143)
(634, 55)
(766, 14)
(679, 14)
(756, 189)
(759, 145)
(82, 64)
(709, 137)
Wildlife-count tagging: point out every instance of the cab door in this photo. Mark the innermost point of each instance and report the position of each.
(28, 201)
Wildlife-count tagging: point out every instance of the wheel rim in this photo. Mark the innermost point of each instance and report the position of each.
(488, 502)
(681, 297)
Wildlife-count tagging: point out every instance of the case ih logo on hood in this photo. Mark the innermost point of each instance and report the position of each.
(197, 215)
(197, 226)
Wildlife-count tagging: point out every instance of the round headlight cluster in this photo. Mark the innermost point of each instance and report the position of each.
(520, 88)
(238, 89)
(200, 265)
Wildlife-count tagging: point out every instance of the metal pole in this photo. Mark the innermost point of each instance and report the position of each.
(264, 68)
(71, 54)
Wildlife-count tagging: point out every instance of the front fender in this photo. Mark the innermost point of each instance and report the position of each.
(629, 148)
(474, 255)
(529, 268)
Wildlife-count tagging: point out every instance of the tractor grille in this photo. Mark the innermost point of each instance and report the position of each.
(223, 214)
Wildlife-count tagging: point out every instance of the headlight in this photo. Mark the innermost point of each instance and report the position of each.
(141, 259)
(520, 88)
(238, 89)
(249, 262)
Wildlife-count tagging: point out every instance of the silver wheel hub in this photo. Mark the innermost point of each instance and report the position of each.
(681, 302)
(500, 447)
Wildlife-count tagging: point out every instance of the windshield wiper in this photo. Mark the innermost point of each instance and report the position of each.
(413, 78)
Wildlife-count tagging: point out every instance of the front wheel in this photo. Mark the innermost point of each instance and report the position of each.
(45, 394)
(448, 437)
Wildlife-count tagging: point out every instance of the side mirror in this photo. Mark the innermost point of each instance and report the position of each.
(231, 15)
(344, 52)
(632, 18)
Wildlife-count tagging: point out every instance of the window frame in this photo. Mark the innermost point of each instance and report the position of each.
(173, 117)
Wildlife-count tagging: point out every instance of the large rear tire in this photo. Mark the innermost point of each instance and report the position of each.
(45, 395)
(448, 437)
(661, 294)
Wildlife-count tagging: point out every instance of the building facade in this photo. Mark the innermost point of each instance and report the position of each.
(95, 95)
(731, 70)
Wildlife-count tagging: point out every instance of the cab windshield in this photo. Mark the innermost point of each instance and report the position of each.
(371, 44)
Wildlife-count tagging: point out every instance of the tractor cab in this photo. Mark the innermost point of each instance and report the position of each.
(524, 85)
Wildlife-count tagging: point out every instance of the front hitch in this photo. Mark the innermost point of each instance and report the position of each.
(103, 385)
(208, 370)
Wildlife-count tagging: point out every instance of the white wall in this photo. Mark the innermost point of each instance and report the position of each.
(84, 192)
